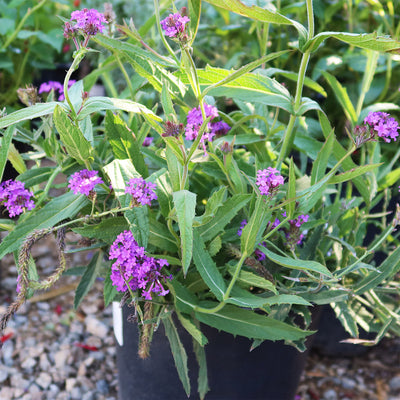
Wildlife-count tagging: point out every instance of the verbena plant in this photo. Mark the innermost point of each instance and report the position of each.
(240, 220)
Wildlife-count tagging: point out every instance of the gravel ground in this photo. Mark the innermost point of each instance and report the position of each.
(51, 351)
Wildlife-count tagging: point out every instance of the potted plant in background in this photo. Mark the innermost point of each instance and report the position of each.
(241, 221)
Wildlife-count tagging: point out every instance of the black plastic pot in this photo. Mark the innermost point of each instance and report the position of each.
(270, 372)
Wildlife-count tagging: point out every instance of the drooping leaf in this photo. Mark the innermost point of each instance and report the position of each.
(253, 279)
(88, 278)
(353, 173)
(202, 381)
(188, 323)
(178, 352)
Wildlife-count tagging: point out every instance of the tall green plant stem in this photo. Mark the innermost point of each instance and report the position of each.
(289, 134)
(21, 24)
(228, 290)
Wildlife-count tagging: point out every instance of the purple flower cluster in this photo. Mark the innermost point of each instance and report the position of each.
(89, 22)
(142, 192)
(148, 140)
(258, 253)
(385, 126)
(268, 181)
(195, 119)
(56, 86)
(84, 181)
(174, 25)
(15, 197)
(294, 235)
(134, 268)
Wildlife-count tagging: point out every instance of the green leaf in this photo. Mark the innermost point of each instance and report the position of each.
(389, 179)
(138, 219)
(346, 317)
(207, 268)
(16, 159)
(342, 96)
(106, 230)
(6, 25)
(110, 291)
(247, 323)
(251, 279)
(251, 87)
(267, 14)
(99, 103)
(161, 237)
(223, 216)
(326, 296)
(34, 176)
(293, 263)
(88, 278)
(185, 204)
(321, 162)
(166, 101)
(194, 16)
(175, 168)
(386, 270)
(123, 142)
(178, 352)
(36, 111)
(251, 234)
(72, 137)
(216, 201)
(5, 145)
(202, 381)
(241, 71)
(243, 298)
(58, 209)
(353, 173)
(185, 301)
(369, 41)
(195, 332)
(291, 190)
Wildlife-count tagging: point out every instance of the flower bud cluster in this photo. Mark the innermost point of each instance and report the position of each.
(268, 181)
(174, 26)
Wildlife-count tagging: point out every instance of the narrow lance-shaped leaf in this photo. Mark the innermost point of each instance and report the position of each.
(207, 268)
(251, 233)
(291, 190)
(321, 162)
(370, 41)
(5, 144)
(353, 173)
(185, 204)
(202, 381)
(72, 137)
(293, 263)
(239, 321)
(178, 352)
(88, 278)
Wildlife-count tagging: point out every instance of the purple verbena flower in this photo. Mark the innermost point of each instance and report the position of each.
(84, 181)
(136, 269)
(195, 119)
(15, 197)
(268, 181)
(385, 126)
(142, 192)
(89, 22)
(174, 25)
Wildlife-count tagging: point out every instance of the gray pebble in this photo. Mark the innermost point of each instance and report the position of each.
(88, 396)
(102, 386)
(96, 327)
(348, 383)
(330, 394)
(3, 374)
(43, 306)
(394, 383)
(7, 351)
(44, 380)
(76, 393)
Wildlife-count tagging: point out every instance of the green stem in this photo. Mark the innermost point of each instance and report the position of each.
(53, 176)
(21, 24)
(228, 290)
(289, 134)
(77, 59)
